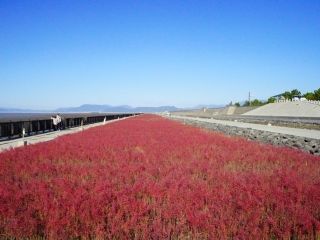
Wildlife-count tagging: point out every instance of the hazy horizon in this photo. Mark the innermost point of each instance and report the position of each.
(120, 105)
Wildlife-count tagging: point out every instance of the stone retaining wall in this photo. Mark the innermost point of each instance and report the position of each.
(309, 145)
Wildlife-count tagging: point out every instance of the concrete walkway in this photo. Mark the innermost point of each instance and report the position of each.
(315, 134)
(49, 136)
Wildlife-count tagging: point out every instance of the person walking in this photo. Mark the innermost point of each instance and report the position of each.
(59, 121)
(56, 120)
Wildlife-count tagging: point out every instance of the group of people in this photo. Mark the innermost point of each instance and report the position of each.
(56, 120)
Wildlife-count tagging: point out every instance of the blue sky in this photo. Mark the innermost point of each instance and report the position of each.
(150, 53)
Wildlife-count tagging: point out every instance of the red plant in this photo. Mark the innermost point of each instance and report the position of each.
(148, 177)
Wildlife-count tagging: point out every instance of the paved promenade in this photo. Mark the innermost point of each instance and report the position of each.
(299, 132)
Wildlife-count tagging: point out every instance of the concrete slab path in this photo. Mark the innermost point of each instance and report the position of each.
(307, 133)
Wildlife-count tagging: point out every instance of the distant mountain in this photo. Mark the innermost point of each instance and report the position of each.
(105, 108)
(122, 108)
(156, 109)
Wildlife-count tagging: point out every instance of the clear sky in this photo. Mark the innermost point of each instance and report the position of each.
(149, 53)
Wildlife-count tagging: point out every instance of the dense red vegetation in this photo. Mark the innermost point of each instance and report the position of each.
(148, 177)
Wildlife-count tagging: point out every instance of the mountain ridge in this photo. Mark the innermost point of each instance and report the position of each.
(105, 108)
(120, 108)
(93, 108)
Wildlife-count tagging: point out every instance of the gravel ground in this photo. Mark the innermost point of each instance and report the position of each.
(309, 145)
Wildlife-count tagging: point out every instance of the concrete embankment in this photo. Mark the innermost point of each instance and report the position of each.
(304, 139)
(294, 109)
(212, 112)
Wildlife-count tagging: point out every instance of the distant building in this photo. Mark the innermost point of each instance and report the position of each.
(296, 98)
(280, 97)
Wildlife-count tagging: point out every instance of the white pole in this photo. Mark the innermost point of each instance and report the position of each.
(23, 133)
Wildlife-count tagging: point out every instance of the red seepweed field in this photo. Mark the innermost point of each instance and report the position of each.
(152, 178)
